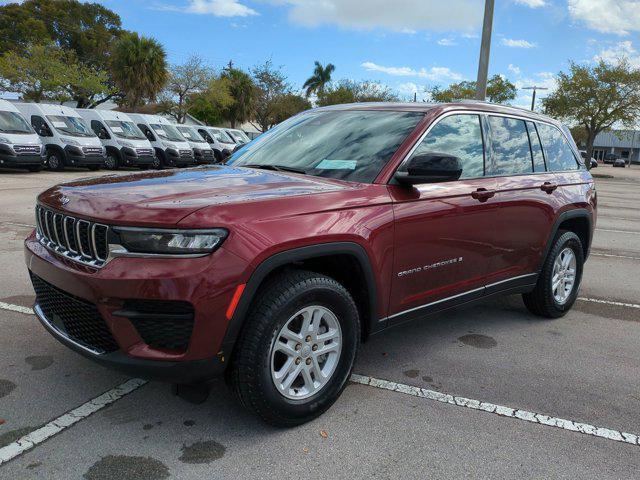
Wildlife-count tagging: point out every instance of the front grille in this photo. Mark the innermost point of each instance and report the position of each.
(76, 319)
(92, 150)
(161, 323)
(185, 153)
(27, 149)
(207, 153)
(144, 152)
(77, 239)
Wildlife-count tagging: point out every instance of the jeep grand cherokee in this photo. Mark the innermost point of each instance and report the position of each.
(331, 227)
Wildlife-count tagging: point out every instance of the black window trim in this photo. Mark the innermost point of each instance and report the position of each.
(569, 144)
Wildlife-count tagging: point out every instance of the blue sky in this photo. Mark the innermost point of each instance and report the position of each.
(406, 44)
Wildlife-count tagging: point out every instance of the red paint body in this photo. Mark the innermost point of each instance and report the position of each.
(398, 227)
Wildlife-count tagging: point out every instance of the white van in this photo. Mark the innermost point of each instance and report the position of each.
(222, 144)
(238, 136)
(68, 140)
(126, 145)
(172, 149)
(202, 152)
(20, 146)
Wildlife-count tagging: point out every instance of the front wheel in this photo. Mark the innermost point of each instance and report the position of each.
(112, 162)
(55, 162)
(297, 348)
(559, 281)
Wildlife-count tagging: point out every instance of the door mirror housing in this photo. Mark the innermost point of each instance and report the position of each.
(44, 131)
(430, 167)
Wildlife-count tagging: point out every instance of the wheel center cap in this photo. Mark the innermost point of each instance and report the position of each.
(305, 351)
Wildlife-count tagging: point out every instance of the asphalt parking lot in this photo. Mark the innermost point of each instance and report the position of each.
(500, 393)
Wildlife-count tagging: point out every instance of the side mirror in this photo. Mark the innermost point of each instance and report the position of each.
(430, 168)
(43, 131)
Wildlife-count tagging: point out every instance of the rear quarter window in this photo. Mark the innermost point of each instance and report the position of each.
(557, 151)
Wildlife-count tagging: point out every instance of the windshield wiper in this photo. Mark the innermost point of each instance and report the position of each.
(277, 168)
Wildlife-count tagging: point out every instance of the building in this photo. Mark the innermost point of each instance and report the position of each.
(621, 143)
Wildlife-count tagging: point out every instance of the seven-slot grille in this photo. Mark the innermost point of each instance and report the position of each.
(92, 150)
(77, 239)
(27, 149)
(144, 152)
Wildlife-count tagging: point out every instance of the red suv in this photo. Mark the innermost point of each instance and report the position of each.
(329, 228)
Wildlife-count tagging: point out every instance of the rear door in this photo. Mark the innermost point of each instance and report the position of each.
(443, 231)
(526, 194)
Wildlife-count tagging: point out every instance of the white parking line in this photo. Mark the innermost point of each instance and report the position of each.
(617, 231)
(627, 257)
(17, 224)
(532, 417)
(609, 302)
(16, 308)
(66, 420)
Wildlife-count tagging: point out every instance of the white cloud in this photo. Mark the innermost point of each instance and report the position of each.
(619, 51)
(607, 16)
(409, 89)
(509, 42)
(531, 3)
(217, 8)
(434, 74)
(399, 16)
(514, 69)
(447, 42)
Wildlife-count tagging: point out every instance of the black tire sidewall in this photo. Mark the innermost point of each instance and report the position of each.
(59, 161)
(571, 240)
(278, 409)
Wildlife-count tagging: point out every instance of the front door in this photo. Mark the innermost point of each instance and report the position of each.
(444, 238)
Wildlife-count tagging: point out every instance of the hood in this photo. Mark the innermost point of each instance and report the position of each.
(166, 197)
(22, 138)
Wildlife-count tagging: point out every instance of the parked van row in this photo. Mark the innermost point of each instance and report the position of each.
(35, 135)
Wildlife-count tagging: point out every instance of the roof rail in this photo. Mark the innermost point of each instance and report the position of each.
(484, 102)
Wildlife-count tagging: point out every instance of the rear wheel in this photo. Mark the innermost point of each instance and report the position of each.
(559, 281)
(297, 348)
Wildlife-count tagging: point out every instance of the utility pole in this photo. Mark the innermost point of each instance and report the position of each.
(485, 51)
(535, 89)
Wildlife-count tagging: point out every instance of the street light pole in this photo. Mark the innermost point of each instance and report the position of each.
(485, 50)
(535, 89)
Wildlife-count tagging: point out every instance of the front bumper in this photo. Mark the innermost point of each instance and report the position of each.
(137, 160)
(20, 161)
(77, 159)
(206, 284)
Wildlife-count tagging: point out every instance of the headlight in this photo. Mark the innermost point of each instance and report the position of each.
(171, 242)
(70, 141)
(5, 140)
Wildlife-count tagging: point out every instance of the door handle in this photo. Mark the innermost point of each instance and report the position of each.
(548, 187)
(482, 194)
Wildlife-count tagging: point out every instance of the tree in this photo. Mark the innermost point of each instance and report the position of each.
(243, 92)
(349, 91)
(186, 79)
(86, 30)
(271, 86)
(288, 105)
(46, 72)
(139, 69)
(320, 78)
(212, 104)
(499, 90)
(596, 97)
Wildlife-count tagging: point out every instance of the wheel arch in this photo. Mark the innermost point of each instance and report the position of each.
(579, 221)
(317, 258)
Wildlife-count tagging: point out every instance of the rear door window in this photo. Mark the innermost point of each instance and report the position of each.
(536, 148)
(461, 137)
(557, 151)
(511, 153)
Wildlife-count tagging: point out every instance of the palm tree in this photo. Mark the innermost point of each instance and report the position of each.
(321, 76)
(243, 92)
(139, 68)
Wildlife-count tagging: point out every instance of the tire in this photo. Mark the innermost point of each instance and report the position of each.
(55, 161)
(218, 156)
(112, 161)
(254, 361)
(542, 301)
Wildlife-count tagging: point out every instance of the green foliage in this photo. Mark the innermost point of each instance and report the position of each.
(243, 91)
(185, 80)
(48, 73)
(596, 97)
(499, 90)
(274, 100)
(349, 91)
(321, 77)
(288, 105)
(212, 104)
(139, 69)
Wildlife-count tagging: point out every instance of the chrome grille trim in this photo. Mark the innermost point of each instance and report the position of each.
(60, 233)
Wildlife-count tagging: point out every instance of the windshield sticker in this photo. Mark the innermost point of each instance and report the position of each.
(327, 164)
(59, 124)
(116, 129)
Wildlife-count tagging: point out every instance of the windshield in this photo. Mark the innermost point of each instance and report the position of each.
(190, 134)
(11, 122)
(125, 130)
(73, 126)
(221, 136)
(167, 132)
(348, 145)
(237, 138)
(240, 135)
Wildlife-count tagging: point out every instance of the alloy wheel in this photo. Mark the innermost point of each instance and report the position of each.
(564, 275)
